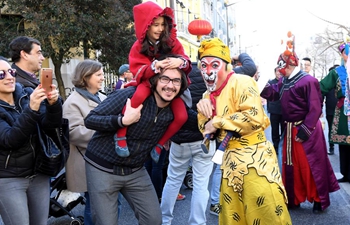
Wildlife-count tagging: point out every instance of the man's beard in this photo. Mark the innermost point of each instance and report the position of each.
(161, 98)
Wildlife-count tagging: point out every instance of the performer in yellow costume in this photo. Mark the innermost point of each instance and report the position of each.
(252, 191)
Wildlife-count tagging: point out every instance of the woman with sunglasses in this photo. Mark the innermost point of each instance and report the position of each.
(24, 195)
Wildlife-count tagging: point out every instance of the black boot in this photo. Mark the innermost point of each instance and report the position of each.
(342, 180)
(317, 208)
(331, 150)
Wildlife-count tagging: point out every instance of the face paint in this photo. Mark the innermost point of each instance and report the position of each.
(213, 72)
(282, 65)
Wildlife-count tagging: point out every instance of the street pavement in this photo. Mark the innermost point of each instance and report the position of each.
(337, 213)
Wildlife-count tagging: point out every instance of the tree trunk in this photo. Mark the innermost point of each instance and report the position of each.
(59, 80)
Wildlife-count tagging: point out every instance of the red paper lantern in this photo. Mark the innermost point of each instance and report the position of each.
(199, 27)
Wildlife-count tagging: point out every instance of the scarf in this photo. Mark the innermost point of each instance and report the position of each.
(344, 81)
(347, 101)
(218, 92)
(86, 94)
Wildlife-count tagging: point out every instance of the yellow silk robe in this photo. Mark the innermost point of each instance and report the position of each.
(239, 109)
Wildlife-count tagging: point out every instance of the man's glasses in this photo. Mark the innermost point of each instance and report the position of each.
(10, 71)
(166, 80)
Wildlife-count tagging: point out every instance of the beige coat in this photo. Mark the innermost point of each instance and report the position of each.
(75, 109)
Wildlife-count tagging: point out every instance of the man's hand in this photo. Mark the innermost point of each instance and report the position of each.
(235, 61)
(209, 128)
(131, 115)
(205, 107)
(298, 139)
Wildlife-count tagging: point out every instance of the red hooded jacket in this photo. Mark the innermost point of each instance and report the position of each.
(144, 14)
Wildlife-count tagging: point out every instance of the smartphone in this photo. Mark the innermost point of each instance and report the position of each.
(46, 79)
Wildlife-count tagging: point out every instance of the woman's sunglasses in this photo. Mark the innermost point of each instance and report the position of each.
(10, 71)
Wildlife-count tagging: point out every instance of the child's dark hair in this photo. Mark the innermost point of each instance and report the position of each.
(163, 46)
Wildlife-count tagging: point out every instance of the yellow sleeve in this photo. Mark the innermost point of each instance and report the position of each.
(239, 108)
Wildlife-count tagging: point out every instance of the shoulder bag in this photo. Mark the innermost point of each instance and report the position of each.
(54, 149)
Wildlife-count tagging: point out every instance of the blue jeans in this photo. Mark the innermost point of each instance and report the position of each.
(137, 189)
(202, 166)
(25, 200)
(215, 185)
(155, 171)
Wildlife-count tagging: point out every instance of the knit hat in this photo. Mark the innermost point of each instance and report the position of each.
(214, 47)
(123, 68)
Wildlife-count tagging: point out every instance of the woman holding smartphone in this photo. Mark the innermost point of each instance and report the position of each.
(24, 194)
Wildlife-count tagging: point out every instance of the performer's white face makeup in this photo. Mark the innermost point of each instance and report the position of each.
(213, 71)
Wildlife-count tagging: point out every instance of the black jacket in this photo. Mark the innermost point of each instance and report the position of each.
(24, 78)
(197, 86)
(248, 66)
(274, 107)
(189, 131)
(18, 132)
(331, 102)
(141, 136)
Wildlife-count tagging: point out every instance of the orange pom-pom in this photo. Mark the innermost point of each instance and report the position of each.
(287, 53)
(289, 34)
(282, 42)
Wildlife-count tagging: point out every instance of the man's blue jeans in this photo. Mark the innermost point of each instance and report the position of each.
(215, 185)
(202, 166)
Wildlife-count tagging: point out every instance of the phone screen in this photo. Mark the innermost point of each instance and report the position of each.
(46, 79)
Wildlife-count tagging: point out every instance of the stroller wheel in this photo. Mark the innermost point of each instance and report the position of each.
(188, 181)
(76, 222)
(81, 218)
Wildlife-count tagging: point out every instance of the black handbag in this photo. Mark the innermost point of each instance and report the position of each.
(54, 149)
